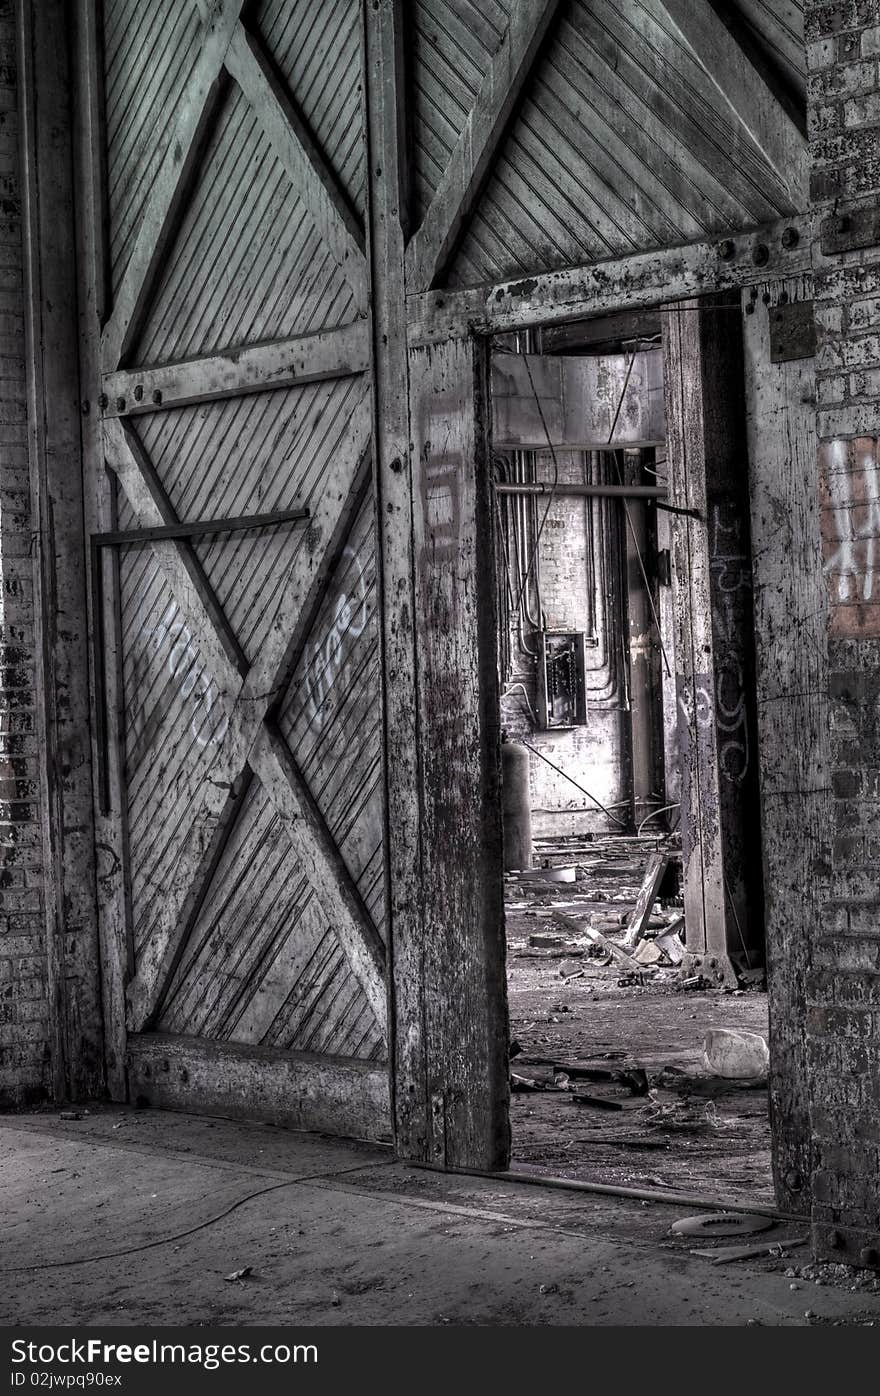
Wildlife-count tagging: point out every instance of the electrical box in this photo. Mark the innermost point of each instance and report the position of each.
(562, 688)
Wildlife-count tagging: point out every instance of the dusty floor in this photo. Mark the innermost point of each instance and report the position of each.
(337, 1233)
(692, 1132)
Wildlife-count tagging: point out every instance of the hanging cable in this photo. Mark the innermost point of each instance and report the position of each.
(598, 803)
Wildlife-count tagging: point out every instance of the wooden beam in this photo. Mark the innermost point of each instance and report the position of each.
(622, 283)
(332, 1095)
(791, 662)
(170, 185)
(300, 156)
(92, 288)
(714, 649)
(462, 977)
(185, 574)
(756, 107)
(475, 150)
(382, 62)
(255, 368)
(317, 858)
(75, 1026)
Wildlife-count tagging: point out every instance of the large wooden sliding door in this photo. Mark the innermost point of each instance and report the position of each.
(237, 687)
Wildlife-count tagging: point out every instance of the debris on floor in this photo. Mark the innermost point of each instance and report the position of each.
(637, 1006)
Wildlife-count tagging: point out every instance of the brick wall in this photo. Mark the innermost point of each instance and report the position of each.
(25, 1057)
(843, 1018)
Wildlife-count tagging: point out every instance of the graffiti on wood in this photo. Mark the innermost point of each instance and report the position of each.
(328, 658)
(192, 685)
(730, 569)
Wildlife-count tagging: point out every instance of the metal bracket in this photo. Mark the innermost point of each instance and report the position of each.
(138, 537)
(792, 332)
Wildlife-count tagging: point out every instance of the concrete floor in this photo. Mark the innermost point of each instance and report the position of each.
(338, 1233)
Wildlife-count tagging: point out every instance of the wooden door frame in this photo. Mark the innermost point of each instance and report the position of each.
(439, 318)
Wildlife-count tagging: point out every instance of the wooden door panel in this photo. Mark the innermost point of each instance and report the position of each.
(316, 62)
(330, 718)
(150, 53)
(247, 780)
(247, 263)
(263, 965)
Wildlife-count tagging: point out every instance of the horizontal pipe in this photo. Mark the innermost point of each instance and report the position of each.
(592, 491)
(675, 1199)
(198, 530)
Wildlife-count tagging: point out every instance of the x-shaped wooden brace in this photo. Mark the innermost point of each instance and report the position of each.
(229, 45)
(252, 743)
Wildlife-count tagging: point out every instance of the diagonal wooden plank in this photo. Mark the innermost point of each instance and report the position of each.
(302, 159)
(756, 107)
(191, 588)
(475, 149)
(310, 358)
(171, 184)
(246, 702)
(319, 859)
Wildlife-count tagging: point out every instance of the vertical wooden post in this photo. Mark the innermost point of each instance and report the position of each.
(386, 184)
(60, 591)
(448, 1019)
(463, 983)
(643, 652)
(792, 679)
(712, 593)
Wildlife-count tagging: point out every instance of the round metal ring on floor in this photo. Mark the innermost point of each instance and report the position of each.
(722, 1224)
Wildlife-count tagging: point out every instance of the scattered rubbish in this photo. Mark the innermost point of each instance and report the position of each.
(722, 1224)
(737, 1054)
(515, 1049)
(563, 874)
(599, 1102)
(596, 937)
(721, 1255)
(648, 953)
(334, 1299)
(241, 1274)
(73, 1114)
(657, 865)
(523, 1083)
(546, 942)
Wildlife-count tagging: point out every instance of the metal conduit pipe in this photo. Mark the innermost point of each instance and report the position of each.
(592, 491)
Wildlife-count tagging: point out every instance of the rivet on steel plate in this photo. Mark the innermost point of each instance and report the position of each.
(760, 254)
(790, 237)
(102, 402)
(120, 404)
(726, 249)
(157, 397)
(139, 392)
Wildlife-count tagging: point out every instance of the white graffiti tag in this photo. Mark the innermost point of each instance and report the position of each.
(851, 533)
(186, 669)
(329, 656)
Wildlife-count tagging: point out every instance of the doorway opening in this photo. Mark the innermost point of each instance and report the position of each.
(637, 1057)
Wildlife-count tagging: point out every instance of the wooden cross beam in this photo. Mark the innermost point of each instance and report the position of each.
(478, 143)
(299, 154)
(283, 363)
(758, 110)
(172, 181)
